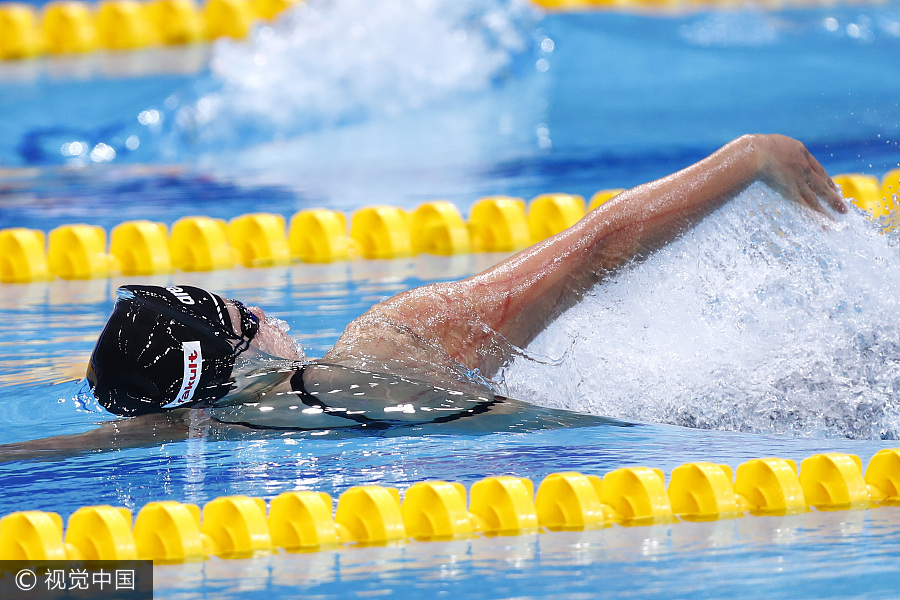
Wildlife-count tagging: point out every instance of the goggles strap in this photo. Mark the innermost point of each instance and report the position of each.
(249, 327)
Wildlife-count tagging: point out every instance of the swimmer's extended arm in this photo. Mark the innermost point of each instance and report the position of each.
(521, 295)
(142, 431)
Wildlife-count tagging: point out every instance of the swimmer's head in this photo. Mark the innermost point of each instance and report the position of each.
(168, 347)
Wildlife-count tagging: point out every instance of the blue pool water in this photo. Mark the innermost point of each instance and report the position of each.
(619, 99)
(624, 98)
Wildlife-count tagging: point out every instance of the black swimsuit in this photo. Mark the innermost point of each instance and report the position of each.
(419, 393)
(325, 396)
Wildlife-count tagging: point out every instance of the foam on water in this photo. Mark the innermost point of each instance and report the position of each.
(331, 62)
(761, 319)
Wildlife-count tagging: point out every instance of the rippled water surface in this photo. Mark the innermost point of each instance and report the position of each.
(763, 332)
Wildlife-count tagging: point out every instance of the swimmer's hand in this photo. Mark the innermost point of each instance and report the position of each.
(785, 165)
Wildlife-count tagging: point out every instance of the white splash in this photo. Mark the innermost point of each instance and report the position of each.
(328, 62)
(761, 319)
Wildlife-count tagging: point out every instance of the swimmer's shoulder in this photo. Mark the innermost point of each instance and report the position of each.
(410, 360)
(383, 339)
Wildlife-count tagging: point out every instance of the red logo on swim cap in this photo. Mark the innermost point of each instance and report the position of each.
(193, 368)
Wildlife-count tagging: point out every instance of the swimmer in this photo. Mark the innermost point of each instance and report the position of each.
(176, 357)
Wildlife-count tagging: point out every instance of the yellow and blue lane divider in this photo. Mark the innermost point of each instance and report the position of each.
(242, 527)
(73, 26)
(199, 243)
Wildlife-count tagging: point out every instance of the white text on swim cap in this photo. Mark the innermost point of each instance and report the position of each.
(193, 367)
(182, 295)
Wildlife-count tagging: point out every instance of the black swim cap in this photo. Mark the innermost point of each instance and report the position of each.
(166, 347)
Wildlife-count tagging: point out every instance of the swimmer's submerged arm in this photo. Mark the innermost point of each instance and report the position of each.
(521, 295)
(142, 431)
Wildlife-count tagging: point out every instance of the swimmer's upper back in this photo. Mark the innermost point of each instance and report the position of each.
(326, 396)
